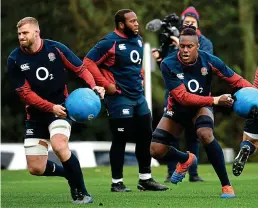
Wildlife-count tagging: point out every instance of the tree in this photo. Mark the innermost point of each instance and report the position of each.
(246, 21)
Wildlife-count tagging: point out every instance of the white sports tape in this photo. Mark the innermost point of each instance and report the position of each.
(60, 127)
(36, 146)
(253, 136)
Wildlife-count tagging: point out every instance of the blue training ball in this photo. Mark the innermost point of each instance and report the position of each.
(245, 99)
(82, 105)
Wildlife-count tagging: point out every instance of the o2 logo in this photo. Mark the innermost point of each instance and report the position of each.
(135, 57)
(194, 86)
(44, 74)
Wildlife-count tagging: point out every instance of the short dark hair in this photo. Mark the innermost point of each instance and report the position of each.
(120, 16)
(188, 30)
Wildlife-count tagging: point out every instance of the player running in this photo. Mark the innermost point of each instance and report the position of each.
(188, 77)
(38, 73)
(250, 138)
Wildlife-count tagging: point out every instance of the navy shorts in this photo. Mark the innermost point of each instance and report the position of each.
(119, 106)
(39, 129)
(251, 126)
(183, 117)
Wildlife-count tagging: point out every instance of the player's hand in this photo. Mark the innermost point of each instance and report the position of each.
(100, 91)
(175, 40)
(111, 89)
(223, 100)
(156, 54)
(59, 111)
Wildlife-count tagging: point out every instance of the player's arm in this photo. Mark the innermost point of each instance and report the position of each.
(256, 78)
(178, 91)
(22, 87)
(254, 111)
(224, 72)
(101, 53)
(73, 63)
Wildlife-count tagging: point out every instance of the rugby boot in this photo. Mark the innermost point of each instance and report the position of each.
(240, 160)
(119, 187)
(228, 192)
(182, 168)
(150, 185)
(83, 198)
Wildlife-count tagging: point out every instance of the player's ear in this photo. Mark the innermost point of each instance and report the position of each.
(121, 25)
(198, 46)
(38, 32)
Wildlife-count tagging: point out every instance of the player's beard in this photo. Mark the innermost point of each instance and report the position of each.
(129, 33)
(28, 43)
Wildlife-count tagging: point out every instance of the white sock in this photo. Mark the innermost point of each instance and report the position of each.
(144, 176)
(117, 180)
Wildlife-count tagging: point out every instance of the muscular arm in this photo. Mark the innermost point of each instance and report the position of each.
(178, 91)
(224, 72)
(93, 68)
(31, 98)
(102, 52)
(23, 89)
(73, 63)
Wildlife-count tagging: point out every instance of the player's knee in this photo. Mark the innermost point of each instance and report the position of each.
(159, 144)
(156, 150)
(36, 170)
(60, 144)
(204, 133)
(204, 128)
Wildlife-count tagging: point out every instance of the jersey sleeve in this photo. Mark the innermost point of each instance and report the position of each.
(178, 91)
(73, 63)
(224, 72)
(170, 79)
(94, 70)
(15, 74)
(96, 56)
(23, 89)
(100, 52)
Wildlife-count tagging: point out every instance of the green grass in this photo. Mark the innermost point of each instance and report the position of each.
(19, 189)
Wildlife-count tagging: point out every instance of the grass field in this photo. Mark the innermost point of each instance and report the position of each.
(19, 189)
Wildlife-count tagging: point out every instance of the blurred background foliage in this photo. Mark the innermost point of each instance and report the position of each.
(231, 26)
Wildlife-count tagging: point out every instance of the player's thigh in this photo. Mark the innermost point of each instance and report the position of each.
(141, 108)
(60, 131)
(204, 118)
(119, 106)
(172, 122)
(36, 140)
(167, 132)
(36, 145)
(251, 131)
(204, 111)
